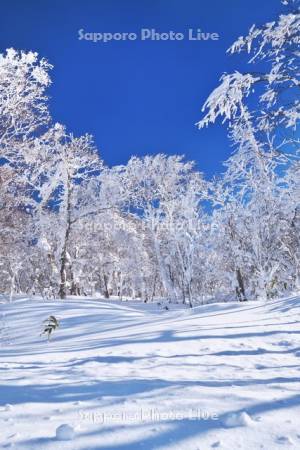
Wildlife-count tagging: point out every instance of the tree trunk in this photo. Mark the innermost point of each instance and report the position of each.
(165, 279)
(240, 290)
(64, 259)
(106, 291)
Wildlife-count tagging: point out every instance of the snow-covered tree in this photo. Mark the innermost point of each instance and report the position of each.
(251, 212)
(66, 180)
(23, 101)
(165, 192)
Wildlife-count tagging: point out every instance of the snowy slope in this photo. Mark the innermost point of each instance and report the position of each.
(127, 376)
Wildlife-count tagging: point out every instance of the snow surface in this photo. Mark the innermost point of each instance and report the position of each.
(132, 376)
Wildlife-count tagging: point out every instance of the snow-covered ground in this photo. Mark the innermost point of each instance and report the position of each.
(129, 376)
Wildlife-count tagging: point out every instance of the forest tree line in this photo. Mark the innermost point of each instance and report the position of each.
(156, 227)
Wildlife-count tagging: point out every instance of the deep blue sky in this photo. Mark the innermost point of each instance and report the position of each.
(135, 97)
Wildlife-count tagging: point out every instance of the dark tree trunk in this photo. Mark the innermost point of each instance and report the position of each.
(240, 290)
(106, 292)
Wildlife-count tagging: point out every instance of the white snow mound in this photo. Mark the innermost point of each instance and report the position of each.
(238, 420)
(65, 433)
